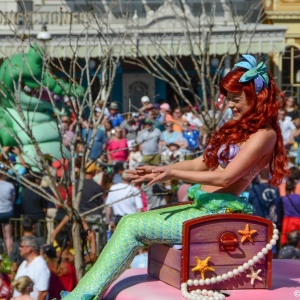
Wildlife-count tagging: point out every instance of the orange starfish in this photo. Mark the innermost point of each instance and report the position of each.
(202, 266)
(247, 234)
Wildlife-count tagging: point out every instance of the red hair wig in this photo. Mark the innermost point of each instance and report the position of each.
(262, 112)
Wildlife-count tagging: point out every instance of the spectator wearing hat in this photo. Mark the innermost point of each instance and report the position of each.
(164, 112)
(288, 129)
(147, 106)
(172, 154)
(91, 194)
(135, 157)
(98, 140)
(292, 250)
(123, 199)
(148, 139)
(115, 118)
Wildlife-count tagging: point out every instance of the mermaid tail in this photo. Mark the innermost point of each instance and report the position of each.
(158, 226)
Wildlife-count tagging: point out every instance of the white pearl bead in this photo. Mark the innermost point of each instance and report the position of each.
(193, 292)
(216, 294)
(224, 276)
(190, 282)
(213, 280)
(201, 282)
(273, 242)
(264, 250)
(184, 285)
(230, 274)
(210, 293)
(251, 262)
(204, 292)
(207, 281)
(260, 254)
(211, 298)
(205, 298)
(255, 258)
(246, 266)
(241, 269)
(198, 291)
(235, 272)
(275, 231)
(269, 246)
(275, 237)
(196, 282)
(219, 278)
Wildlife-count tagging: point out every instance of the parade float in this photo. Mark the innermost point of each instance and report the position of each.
(221, 256)
(31, 100)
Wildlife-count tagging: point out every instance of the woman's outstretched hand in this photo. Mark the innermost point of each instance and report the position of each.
(141, 174)
(161, 174)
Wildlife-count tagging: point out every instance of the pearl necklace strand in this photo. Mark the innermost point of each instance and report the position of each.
(211, 295)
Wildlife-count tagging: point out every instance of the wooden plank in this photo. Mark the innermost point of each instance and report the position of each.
(240, 255)
(212, 230)
(166, 255)
(238, 282)
(164, 273)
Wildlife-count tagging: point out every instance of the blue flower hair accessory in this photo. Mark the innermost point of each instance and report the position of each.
(257, 72)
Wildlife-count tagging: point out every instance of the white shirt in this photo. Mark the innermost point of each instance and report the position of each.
(192, 119)
(286, 126)
(38, 272)
(135, 158)
(127, 206)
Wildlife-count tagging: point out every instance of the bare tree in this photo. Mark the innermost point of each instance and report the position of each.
(182, 50)
(33, 100)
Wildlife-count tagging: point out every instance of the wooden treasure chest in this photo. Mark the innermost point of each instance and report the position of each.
(226, 251)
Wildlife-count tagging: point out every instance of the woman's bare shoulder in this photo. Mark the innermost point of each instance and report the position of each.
(265, 136)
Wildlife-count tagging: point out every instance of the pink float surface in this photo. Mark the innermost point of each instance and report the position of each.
(136, 284)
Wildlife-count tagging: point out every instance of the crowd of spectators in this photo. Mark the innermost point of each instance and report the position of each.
(156, 134)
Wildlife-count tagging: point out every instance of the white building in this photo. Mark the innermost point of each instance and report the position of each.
(88, 29)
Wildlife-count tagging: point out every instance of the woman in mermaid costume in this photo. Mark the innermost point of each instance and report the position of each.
(235, 155)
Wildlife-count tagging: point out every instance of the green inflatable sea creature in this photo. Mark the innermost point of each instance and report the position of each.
(22, 111)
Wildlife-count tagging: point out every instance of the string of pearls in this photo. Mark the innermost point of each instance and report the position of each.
(211, 295)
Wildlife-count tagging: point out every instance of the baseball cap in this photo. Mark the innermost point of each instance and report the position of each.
(148, 121)
(165, 106)
(114, 105)
(91, 167)
(145, 99)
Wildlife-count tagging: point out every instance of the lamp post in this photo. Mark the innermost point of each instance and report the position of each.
(44, 35)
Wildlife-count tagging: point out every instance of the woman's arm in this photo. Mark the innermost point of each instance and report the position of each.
(258, 145)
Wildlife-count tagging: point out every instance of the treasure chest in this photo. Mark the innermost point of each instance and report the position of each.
(228, 251)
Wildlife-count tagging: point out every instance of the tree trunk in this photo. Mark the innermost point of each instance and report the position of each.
(79, 263)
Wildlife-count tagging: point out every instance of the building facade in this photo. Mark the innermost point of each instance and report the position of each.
(287, 64)
(140, 29)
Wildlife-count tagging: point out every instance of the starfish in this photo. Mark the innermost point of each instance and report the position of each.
(202, 266)
(247, 234)
(254, 275)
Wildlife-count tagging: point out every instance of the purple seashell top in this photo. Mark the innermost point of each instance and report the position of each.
(228, 156)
